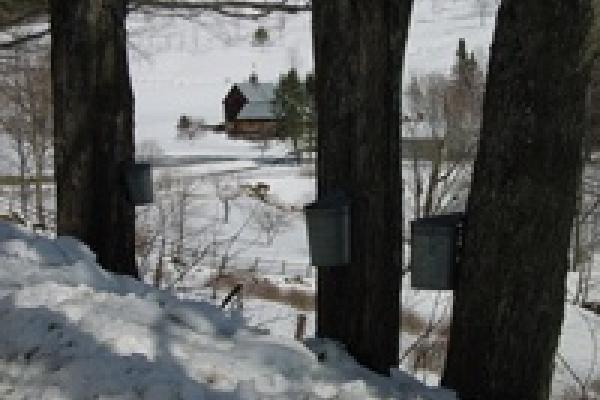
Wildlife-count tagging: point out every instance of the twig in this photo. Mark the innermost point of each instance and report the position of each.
(11, 44)
(570, 370)
(423, 335)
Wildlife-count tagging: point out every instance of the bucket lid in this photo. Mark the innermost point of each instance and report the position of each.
(335, 200)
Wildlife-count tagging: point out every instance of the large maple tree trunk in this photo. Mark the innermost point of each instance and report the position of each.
(509, 300)
(359, 48)
(93, 109)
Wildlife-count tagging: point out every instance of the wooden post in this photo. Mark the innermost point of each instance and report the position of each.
(300, 327)
(214, 261)
(158, 273)
(255, 267)
(237, 289)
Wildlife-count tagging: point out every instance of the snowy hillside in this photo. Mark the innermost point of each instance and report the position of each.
(185, 65)
(72, 331)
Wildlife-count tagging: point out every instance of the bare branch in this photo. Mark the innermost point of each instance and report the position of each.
(219, 6)
(20, 40)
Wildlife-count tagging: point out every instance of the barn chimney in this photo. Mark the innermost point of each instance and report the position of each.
(462, 49)
(253, 78)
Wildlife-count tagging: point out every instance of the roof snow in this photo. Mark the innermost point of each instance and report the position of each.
(261, 99)
(257, 91)
(258, 110)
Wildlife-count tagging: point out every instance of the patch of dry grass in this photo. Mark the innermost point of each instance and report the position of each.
(428, 354)
(429, 351)
(265, 290)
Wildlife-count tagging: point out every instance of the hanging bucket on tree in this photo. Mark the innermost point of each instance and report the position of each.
(435, 251)
(328, 228)
(140, 184)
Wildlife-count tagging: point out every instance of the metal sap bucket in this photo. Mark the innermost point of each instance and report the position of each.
(435, 249)
(328, 228)
(140, 184)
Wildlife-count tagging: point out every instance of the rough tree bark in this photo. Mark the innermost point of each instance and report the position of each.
(359, 47)
(509, 300)
(93, 128)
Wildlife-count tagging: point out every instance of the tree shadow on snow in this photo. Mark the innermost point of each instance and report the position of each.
(45, 355)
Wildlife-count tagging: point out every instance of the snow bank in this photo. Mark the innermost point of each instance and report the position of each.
(72, 331)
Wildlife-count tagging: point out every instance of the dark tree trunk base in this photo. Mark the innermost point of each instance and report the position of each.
(93, 108)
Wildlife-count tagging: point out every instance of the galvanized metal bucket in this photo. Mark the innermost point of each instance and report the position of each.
(140, 184)
(328, 229)
(435, 250)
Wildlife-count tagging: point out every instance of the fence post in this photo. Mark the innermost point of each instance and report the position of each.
(224, 260)
(158, 272)
(240, 299)
(300, 327)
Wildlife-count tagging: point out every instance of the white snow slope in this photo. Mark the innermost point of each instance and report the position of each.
(69, 330)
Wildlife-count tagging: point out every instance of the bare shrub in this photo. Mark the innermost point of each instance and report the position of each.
(429, 355)
(428, 351)
(595, 386)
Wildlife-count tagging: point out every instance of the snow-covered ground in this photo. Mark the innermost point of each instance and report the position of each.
(72, 331)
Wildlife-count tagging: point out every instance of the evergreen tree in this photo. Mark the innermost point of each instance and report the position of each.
(463, 103)
(292, 107)
(310, 135)
(261, 36)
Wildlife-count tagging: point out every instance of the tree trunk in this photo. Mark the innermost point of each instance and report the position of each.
(576, 246)
(180, 244)
(434, 179)
(418, 188)
(22, 172)
(39, 175)
(93, 128)
(38, 137)
(20, 139)
(359, 48)
(509, 299)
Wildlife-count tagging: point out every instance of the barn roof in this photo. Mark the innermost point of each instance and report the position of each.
(257, 110)
(260, 97)
(257, 91)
